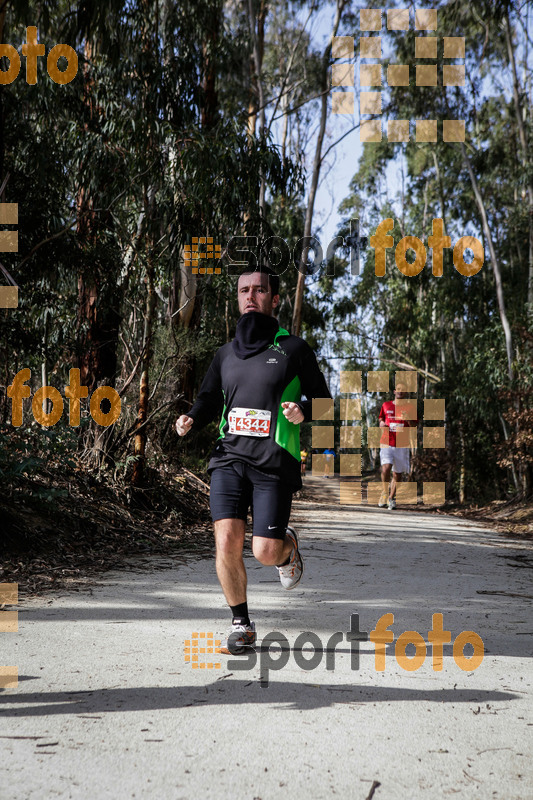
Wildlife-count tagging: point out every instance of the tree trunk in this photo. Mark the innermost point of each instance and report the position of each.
(257, 33)
(210, 97)
(462, 468)
(506, 437)
(441, 190)
(149, 43)
(188, 288)
(317, 163)
(99, 295)
(189, 307)
(494, 263)
(525, 159)
(3, 8)
(144, 389)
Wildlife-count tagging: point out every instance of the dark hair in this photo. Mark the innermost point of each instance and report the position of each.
(273, 277)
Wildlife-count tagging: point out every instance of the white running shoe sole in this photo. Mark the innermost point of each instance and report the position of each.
(290, 574)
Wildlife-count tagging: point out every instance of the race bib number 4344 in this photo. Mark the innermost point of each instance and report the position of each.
(249, 421)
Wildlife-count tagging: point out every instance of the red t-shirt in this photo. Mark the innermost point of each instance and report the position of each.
(396, 415)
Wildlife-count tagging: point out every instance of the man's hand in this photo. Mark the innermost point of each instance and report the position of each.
(184, 424)
(293, 413)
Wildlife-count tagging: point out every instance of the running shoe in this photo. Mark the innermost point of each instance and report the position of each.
(240, 637)
(383, 500)
(392, 504)
(290, 574)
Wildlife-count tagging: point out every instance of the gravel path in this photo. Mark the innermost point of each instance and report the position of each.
(108, 707)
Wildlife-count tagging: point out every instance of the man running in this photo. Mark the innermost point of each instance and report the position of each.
(394, 415)
(259, 379)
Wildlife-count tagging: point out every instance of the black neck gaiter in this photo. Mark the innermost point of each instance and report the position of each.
(254, 333)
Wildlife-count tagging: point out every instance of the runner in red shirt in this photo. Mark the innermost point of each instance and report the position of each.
(395, 415)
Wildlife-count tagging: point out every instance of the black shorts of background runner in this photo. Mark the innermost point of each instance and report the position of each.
(237, 487)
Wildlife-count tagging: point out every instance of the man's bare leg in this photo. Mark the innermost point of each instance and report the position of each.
(396, 478)
(385, 479)
(271, 551)
(229, 539)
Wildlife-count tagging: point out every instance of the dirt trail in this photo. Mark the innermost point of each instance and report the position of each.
(107, 705)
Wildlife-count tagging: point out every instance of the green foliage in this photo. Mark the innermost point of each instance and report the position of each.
(449, 328)
(27, 453)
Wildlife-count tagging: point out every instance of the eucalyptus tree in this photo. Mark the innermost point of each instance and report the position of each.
(463, 331)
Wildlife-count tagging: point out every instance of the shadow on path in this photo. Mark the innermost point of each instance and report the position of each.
(298, 696)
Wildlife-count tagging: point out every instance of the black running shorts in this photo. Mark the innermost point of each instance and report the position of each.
(236, 487)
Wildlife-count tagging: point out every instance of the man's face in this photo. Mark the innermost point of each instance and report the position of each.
(254, 294)
(400, 391)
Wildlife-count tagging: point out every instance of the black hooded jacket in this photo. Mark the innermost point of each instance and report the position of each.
(247, 381)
